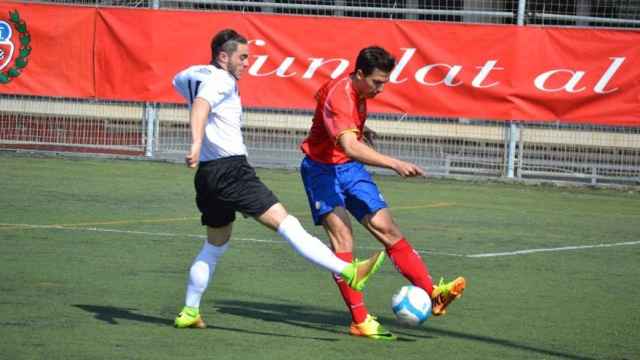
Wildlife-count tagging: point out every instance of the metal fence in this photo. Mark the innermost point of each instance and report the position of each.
(609, 13)
(444, 146)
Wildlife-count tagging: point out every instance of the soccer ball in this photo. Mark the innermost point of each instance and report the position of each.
(411, 305)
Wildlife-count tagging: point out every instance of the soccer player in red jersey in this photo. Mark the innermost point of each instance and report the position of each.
(337, 183)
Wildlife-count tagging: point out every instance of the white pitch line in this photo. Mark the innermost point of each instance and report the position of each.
(60, 227)
(563, 248)
(429, 252)
(164, 234)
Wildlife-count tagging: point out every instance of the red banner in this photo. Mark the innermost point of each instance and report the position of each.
(55, 44)
(452, 70)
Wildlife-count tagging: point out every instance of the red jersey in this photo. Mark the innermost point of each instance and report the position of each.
(339, 109)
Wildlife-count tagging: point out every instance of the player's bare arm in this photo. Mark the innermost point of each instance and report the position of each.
(198, 119)
(359, 151)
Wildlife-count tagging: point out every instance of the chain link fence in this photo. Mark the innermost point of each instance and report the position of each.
(444, 146)
(607, 13)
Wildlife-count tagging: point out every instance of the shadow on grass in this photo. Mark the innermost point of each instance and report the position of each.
(111, 315)
(498, 342)
(321, 319)
(311, 317)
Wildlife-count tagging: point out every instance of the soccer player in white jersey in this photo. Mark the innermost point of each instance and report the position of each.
(226, 183)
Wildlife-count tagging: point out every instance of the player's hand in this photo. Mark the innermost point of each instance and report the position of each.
(193, 156)
(407, 169)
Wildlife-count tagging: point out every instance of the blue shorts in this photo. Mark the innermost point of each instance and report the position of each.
(347, 185)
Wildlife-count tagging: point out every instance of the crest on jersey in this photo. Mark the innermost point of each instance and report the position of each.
(15, 46)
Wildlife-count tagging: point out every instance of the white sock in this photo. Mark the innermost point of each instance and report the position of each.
(310, 247)
(201, 271)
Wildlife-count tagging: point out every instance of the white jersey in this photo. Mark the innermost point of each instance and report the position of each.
(223, 135)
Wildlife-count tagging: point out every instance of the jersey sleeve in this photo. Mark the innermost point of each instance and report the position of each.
(338, 113)
(198, 81)
(180, 83)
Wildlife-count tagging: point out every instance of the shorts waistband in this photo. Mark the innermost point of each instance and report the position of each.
(340, 166)
(224, 160)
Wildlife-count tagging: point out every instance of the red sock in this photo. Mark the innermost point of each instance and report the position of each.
(410, 264)
(352, 298)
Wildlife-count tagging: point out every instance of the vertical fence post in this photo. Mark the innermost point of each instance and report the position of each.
(151, 118)
(522, 7)
(150, 113)
(520, 153)
(511, 149)
(412, 4)
(513, 127)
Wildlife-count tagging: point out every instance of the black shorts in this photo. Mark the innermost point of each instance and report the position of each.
(227, 185)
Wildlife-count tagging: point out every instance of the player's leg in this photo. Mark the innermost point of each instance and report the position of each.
(408, 261)
(366, 203)
(201, 273)
(218, 217)
(326, 202)
(249, 195)
(337, 224)
(311, 248)
(305, 244)
(381, 225)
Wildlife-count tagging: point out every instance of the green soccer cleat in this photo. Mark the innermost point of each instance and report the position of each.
(444, 293)
(189, 317)
(372, 329)
(357, 273)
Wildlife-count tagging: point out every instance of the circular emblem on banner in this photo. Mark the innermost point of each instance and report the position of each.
(15, 47)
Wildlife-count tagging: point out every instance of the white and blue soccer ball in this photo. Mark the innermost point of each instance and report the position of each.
(411, 305)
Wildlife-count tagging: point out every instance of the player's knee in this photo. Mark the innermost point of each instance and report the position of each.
(274, 216)
(277, 210)
(387, 229)
(342, 238)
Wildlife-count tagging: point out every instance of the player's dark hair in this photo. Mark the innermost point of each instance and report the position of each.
(374, 57)
(227, 41)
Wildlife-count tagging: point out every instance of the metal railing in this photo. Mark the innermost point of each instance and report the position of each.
(447, 147)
